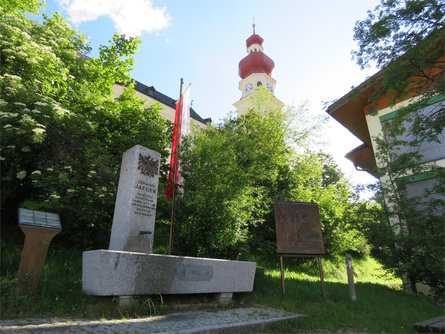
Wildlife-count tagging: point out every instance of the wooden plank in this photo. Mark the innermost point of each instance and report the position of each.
(283, 288)
(435, 325)
(300, 255)
(438, 327)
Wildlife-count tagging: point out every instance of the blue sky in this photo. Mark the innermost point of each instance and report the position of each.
(203, 41)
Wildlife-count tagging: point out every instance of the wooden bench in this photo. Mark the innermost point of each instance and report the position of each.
(435, 325)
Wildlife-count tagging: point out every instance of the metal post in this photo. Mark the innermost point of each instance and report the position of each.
(350, 271)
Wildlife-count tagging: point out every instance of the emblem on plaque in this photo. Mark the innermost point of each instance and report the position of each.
(147, 165)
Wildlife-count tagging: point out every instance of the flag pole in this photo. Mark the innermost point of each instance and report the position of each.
(178, 134)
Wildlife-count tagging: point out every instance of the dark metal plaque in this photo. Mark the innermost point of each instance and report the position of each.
(298, 229)
(39, 218)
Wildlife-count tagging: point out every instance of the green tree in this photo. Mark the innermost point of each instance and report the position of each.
(228, 170)
(24, 6)
(235, 171)
(406, 39)
(63, 132)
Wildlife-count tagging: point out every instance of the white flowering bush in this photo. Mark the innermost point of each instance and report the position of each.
(62, 132)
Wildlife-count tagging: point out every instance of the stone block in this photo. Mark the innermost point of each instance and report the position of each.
(118, 273)
(224, 298)
(128, 302)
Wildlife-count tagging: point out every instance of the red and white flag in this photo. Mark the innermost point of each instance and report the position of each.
(182, 128)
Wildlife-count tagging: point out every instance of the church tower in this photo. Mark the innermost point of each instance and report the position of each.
(255, 70)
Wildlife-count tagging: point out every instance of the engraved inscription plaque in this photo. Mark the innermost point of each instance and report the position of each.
(195, 272)
(298, 228)
(39, 218)
(144, 198)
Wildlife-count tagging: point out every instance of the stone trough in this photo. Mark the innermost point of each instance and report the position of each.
(117, 273)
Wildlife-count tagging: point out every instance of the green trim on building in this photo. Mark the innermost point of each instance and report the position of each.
(435, 99)
(389, 116)
(421, 176)
(393, 114)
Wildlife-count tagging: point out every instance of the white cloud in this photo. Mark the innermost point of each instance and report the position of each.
(130, 17)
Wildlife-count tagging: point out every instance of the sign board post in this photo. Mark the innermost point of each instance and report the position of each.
(39, 228)
(298, 232)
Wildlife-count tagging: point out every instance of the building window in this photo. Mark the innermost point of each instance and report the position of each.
(406, 142)
(424, 191)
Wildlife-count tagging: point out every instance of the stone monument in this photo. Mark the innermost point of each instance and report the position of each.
(128, 268)
(135, 209)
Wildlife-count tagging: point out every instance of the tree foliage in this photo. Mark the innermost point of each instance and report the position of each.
(395, 27)
(63, 132)
(235, 171)
(406, 39)
(23, 6)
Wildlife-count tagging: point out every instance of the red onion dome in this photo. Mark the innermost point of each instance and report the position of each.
(254, 39)
(255, 62)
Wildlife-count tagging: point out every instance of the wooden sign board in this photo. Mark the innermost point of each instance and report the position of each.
(298, 229)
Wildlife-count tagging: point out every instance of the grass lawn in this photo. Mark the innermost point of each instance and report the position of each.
(378, 309)
(381, 306)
